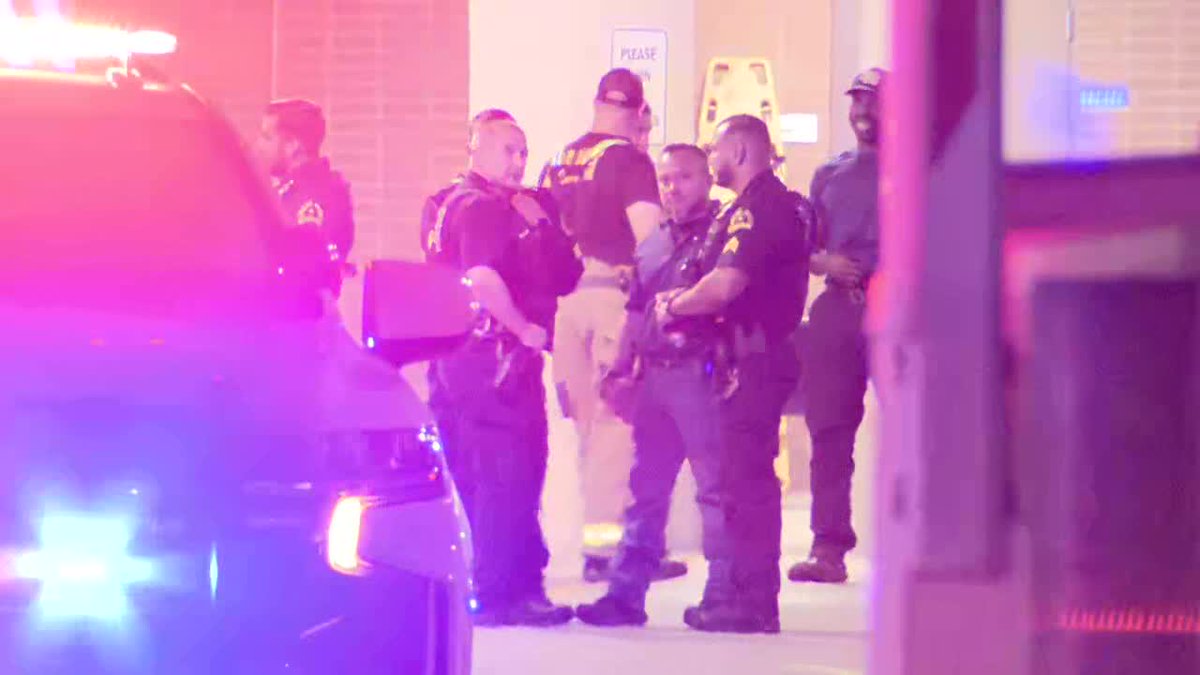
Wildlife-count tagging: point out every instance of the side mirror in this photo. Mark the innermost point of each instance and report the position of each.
(414, 311)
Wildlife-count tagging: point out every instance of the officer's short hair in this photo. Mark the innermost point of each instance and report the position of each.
(492, 115)
(487, 116)
(686, 149)
(752, 130)
(300, 119)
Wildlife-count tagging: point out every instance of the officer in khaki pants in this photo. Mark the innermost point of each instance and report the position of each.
(607, 191)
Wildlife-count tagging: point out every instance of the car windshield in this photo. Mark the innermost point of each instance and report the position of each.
(113, 211)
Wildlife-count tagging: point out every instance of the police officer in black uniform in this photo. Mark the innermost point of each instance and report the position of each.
(312, 193)
(488, 396)
(758, 289)
(433, 204)
(844, 194)
(675, 403)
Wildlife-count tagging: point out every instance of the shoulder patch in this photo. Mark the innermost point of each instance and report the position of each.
(742, 220)
(310, 213)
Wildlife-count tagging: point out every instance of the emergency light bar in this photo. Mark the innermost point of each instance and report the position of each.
(52, 40)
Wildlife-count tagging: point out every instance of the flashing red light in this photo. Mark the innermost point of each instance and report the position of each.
(345, 531)
(51, 39)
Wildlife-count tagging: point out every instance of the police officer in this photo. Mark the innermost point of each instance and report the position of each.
(488, 396)
(758, 289)
(835, 378)
(608, 194)
(675, 406)
(434, 203)
(312, 193)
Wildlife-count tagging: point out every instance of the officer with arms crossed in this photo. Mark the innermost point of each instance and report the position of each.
(429, 214)
(758, 289)
(488, 396)
(608, 194)
(675, 405)
(313, 194)
(844, 194)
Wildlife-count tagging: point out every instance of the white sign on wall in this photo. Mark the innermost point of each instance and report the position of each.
(799, 128)
(644, 51)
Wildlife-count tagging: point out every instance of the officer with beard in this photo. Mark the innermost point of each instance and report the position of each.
(844, 194)
(313, 195)
(675, 405)
(758, 290)
(488, 396)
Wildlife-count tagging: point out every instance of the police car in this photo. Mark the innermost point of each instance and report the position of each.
(200, 471)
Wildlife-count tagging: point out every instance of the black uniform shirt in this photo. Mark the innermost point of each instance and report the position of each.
(767, 238)
(314, 195)
(431, 212)
(594, 179)
(845, 196)
(479, 227)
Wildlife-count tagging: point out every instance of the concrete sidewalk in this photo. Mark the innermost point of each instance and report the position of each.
(824, 632)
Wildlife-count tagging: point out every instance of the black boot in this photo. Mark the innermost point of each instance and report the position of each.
(598, 568)
(820, 569)
(730, 617)
(726, 608)
(534, 610)
(612, 610)
(537, 610)
(752, 607)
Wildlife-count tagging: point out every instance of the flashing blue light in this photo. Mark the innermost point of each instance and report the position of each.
(214, 573)
(1104, 98)
(83, 567)
(429, 435)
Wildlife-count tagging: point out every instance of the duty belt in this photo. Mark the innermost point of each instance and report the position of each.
(622, 280)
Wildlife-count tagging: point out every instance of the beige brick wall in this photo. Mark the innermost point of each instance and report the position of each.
(392, 76)
(1153, 46)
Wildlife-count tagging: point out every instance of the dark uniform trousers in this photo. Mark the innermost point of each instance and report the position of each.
(496, 447)
(675, 418)
(750, 421)
(835, 382)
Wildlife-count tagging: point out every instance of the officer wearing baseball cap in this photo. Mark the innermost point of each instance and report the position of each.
(844, 194)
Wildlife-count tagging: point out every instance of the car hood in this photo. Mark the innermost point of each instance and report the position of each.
(265, 376)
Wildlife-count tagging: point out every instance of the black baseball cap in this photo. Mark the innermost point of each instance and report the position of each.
(622, 88)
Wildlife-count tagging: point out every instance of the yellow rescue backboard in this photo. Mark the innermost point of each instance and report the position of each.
(740, 86)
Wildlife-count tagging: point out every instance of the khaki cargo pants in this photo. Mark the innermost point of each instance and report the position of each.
(587, 336)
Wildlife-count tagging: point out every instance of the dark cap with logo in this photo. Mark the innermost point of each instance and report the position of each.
(871, 80)
(622, 88)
